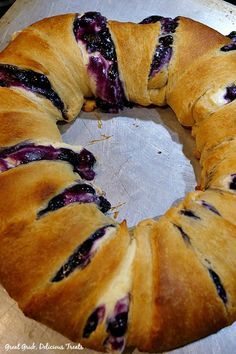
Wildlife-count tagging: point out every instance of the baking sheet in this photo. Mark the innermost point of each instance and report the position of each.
(145, 158)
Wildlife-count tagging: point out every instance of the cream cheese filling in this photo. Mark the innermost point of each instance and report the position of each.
(120, 285)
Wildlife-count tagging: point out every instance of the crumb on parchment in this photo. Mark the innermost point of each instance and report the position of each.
(103, 137)
(115, 211)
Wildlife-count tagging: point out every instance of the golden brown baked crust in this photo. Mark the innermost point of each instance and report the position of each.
(175, 277)
(131, 42)
(202, 40)
(218, 127)
(23, 119)
(223, 202)
(40, 186)
(183, 307)
(141, 326)
(214, 71)
(222, 153)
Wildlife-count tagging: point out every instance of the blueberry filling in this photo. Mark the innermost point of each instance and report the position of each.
(25, 153)
(93, 321)
(3, 165)
(91, 29)
(232, 36)
(161, 57)
(109, 90)
(189, 213)
(230, 93)
(115, 343)
(82, 162)
(151, 19)
(11, 75)
(232, 184)
(166, 41)
(169, 25)
(185, 237)
(209, 207)
(79, 193)
(117, 325)
(79, 259)
(230, 46)
(163, 52)
(219, 287)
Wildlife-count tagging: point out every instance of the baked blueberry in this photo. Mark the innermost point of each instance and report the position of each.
(166, 40)
(232, 35)
(230, 46)
(219, 287)
(93, 321)
(232, 184)
(117, 326)
(151, 19)
(104, 204)
(230, 93)
(169, 25)
(82, 162)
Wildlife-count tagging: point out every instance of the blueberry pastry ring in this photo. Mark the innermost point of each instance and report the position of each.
(65, 262)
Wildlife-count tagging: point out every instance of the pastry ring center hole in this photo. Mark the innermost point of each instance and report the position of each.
(145, 159)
